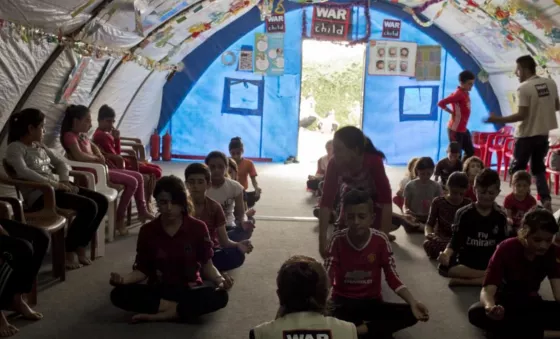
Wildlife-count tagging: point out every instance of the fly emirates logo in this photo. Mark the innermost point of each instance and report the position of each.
(482, 239)
(358, 277)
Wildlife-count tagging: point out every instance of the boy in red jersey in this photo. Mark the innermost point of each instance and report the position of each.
(356, 257)
(520, 201)
(460, 112)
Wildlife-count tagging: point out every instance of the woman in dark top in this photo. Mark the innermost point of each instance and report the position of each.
(173, 254)
(22, 249)
(510, 305)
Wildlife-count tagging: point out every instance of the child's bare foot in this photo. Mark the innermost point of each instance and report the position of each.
(19, 305)
(146, 216)
(120, 227)
(71, 263)
(167, 312)
(82, 256)
(6, 329)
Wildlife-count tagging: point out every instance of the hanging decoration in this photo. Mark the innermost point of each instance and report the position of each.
(27, 34)
(228, 58)
(308, 2)
(331, 22)
(275, 23)
(431, 21)
(348, 41)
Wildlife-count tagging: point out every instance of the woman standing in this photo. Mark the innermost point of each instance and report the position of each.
(356, 164)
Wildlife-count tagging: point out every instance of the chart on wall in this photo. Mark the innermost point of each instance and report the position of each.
(157, 11)
(428, 63)
(269, 56)
(392, 58)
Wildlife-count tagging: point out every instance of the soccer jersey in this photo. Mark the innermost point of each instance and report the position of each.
(461, 107)
(442, 215)
(356, 272)
(518, 208)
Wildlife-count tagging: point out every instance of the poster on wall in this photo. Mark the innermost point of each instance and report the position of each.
(245, 63)
(392, 58)
(156, 12)
(391, 29)
(269, 57)
(72, 83)
(275, 24)
(331, 22)
(428, 63)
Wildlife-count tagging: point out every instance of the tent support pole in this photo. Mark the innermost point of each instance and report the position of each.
(132, 99)
(52, 58)
(113, 71)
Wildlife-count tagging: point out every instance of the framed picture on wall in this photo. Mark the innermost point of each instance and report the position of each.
(392, 58)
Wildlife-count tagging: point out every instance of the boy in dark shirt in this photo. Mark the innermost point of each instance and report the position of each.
(477, 230)
(450, 164)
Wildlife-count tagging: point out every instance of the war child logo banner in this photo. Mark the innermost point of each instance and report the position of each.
(331, 22)
(275, 24)
(391, 29)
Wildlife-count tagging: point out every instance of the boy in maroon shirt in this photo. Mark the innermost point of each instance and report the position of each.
(460, 113)
(229, 247)
(510, 305)
(356, 258)
(450, 164)
(520, 201)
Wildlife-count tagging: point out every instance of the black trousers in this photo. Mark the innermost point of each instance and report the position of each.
(23, 251)
(90, 208)
(533, 150)
(382, 318)
(465, 141)
(251, 198)
(192, 302)
(523, 319)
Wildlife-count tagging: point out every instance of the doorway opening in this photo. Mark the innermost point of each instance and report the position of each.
(331, 94)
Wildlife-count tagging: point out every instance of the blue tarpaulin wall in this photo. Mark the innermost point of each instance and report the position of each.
(194, 106)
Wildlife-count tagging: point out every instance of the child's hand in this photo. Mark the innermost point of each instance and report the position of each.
(495, 312)
(444, 258)
(510, 221)
(248, 226)
(430, 236)
(251, 212)
(245, 246)
(116, 133)
(116, 279)
(224, 282)
(420, 311)
(258, 192)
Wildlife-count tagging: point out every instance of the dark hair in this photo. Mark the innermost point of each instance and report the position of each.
(470, 160)
(177, 189)
(18, 124)
(216, 154)
(106, 112)
(486, 178)
(233, 164)
(454, 147)
(424, 163)
(356, 197)
(72, 112)
(235, 143)
(328, 143)
(197, 168)
(538, 219)
(465, 76)
(353, 138)
(303, 286)
(458, 180)
(527, 62)
(522, 176)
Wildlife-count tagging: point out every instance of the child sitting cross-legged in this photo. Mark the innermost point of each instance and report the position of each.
(356, 258)
(418, 195)
(520, 201)
(449, 164)
(442, 213)
(477, 230)
(229, 247)
(471, 167)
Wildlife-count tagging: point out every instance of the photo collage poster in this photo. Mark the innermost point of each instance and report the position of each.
(392, 58)
(428, 63)
(269, 54)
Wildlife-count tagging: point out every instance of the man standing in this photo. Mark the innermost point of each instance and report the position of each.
(460, 112)
(536, 114)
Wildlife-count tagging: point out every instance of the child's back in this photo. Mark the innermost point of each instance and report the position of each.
(419, 196)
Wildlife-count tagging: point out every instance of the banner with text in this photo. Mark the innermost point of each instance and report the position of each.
(275, 24)
(391, 29)
(331, 22)
(392, 58)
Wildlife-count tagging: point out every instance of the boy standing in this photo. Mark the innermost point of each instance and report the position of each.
(460, 112)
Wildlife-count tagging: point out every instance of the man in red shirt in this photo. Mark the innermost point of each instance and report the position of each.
(460, 112)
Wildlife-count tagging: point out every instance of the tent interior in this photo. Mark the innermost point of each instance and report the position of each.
(204, 71)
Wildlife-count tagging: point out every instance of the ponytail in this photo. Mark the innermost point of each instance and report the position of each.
(18, 123)
(370, 148)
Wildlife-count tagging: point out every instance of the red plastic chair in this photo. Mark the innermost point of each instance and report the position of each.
(550, 172)
(497, 144)
(508, 154)
(482, 140)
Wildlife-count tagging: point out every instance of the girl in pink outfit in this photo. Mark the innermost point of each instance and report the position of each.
(74, 139)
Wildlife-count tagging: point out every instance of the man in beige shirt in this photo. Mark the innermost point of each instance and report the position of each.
(537, 106)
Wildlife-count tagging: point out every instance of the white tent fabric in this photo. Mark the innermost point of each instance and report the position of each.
(494, 32)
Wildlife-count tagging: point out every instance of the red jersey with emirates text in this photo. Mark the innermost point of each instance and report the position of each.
(461, 107)
(356, 272)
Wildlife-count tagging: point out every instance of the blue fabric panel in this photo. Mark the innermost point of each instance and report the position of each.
(244, 97)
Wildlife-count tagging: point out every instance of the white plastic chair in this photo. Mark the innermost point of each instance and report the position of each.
(102, 187)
